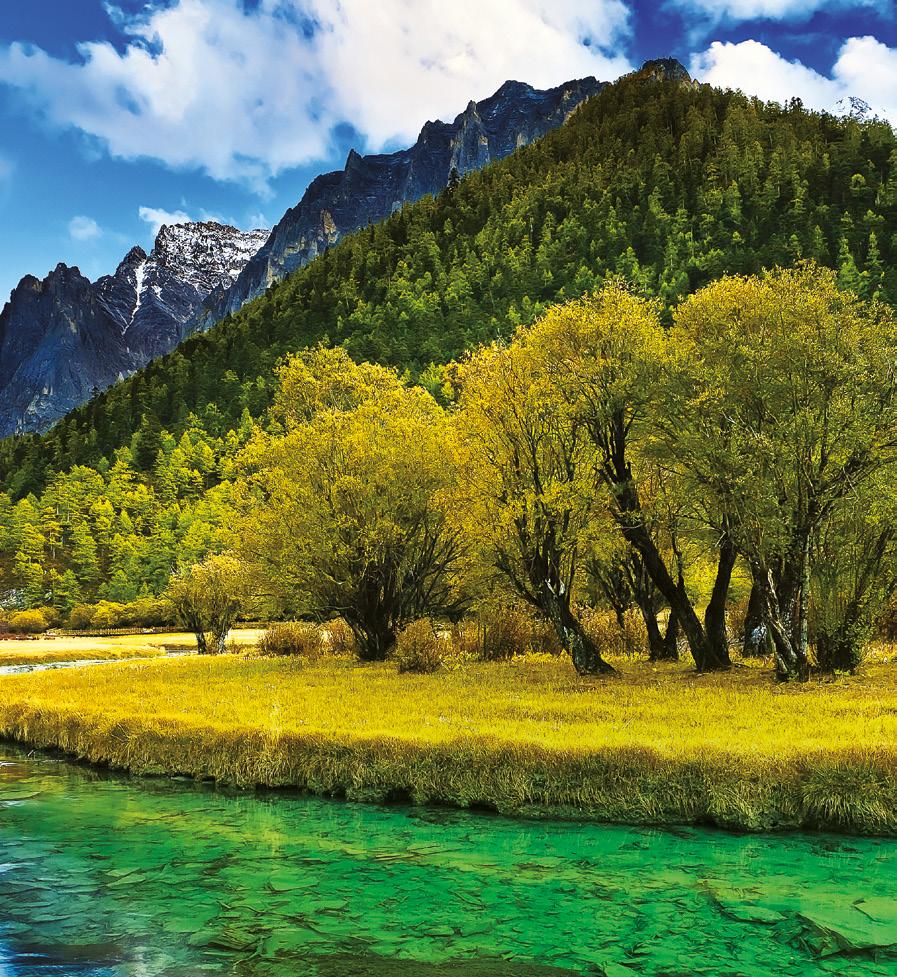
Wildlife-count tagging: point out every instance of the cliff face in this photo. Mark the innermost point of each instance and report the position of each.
(63, 338)
(370, 188)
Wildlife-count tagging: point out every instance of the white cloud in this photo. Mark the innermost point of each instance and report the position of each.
(742, 10)
(394, 63)
(157, 216)
(243, 93)
(865, 68)
(83, 228)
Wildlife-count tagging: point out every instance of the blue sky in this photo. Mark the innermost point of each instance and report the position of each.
(115, 116)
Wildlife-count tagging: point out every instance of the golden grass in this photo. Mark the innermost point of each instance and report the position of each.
(67, 648)
(659, 744)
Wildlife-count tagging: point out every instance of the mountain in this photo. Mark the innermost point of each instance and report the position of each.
(64, 338)
(663, 182)
(370, 188)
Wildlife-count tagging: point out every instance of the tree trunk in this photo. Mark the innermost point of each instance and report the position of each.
(715, 613)
(671, 639)
(220, 640)
(586, 657)
(375, 640)
(709, 655)
(656, 643)
(782, 617)
(757, 639)
(201, 644)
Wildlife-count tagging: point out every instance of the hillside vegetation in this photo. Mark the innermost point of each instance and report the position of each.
(666, 184)
(633, 450)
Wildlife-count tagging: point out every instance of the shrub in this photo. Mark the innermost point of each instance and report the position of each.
(81, 617)
(736, 615)
(52, 615)
(28, 622)
(4, 620)
(506, 631)
(886, 623)
(339, 638)
(612, 639)
(292, 638)
(841, 650)
(419, 648)
(107, 614)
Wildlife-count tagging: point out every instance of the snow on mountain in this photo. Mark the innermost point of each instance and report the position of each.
(64, 337)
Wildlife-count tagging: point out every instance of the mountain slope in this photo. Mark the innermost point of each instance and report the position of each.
(198, 273)
(64, 338)
(666, 183)
(370, 188)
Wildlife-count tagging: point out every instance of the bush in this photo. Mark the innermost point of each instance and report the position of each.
(145, 612)
(420, 649)
(611, 639)
(886, 623)
(292, 638)
(506, 631)
(54, 618)
(81, 617)
(339, 638)
(840, 650)
(28, 622)
(736, 615)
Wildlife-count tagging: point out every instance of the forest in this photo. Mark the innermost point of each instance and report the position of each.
(697, 475)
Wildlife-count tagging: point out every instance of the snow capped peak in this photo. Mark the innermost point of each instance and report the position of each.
(205, 254)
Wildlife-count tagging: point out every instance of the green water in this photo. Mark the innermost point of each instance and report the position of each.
(101, 875)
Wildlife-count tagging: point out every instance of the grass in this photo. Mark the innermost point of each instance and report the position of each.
(655, 745)
(66, 648)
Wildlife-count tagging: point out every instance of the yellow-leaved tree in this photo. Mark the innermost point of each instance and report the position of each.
(342, 502)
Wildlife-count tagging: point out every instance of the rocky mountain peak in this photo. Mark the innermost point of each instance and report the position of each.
(665, 69)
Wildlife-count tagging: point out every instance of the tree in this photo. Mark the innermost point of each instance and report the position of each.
(853, 573)
(606, 356)
(526, 494)
(343, 508)
(786, 405)
(207, 598)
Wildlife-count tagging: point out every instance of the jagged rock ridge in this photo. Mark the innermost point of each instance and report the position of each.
(63, 338)
(370, 188)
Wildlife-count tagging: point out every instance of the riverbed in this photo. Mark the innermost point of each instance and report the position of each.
(103, 875)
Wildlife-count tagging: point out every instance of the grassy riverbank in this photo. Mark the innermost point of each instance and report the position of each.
(68, 648)
(656, 745)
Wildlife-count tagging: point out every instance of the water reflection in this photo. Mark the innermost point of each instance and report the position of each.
(100, 875)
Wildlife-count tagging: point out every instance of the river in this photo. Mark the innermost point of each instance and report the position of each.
(106, 876)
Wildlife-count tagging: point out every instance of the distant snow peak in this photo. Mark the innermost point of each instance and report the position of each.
(205, 254)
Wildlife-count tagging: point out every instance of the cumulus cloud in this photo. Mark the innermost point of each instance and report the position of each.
(83, 228)
(743, 10)
(157, 216)
(243, 92)
(865, 68)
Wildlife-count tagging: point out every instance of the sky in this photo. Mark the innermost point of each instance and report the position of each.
(119, 115)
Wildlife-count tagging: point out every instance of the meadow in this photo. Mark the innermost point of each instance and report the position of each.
(657, 744)
(69, 648)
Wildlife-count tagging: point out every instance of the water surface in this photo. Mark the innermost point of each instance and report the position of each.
(104, 876)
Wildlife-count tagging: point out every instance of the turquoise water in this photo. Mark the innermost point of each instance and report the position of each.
(103, 875)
